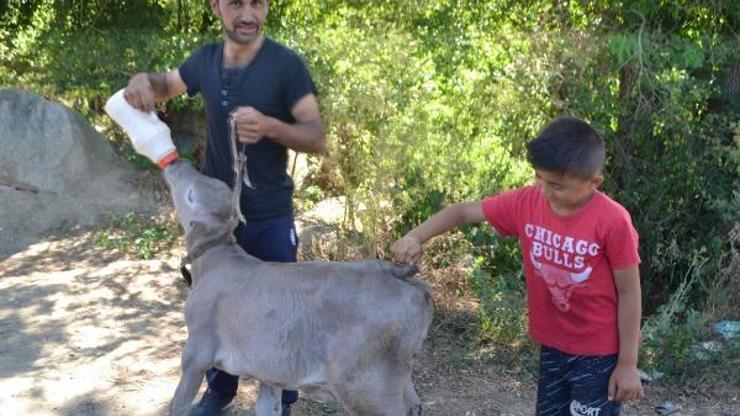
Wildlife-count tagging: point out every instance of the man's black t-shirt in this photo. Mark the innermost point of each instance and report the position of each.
(272, 83)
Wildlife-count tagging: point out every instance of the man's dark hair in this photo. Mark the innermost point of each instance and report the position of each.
(568, 146)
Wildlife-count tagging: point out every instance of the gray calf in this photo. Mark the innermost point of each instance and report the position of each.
(349, 328)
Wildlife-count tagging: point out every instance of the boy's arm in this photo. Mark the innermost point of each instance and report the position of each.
(624, 383)
(145, 90)
(408, 248)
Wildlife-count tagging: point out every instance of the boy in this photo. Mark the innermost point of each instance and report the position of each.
(581, 266)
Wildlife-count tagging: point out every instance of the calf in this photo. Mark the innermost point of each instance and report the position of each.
(349, 328)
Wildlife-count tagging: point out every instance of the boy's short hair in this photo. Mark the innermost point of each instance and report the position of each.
(569, 146)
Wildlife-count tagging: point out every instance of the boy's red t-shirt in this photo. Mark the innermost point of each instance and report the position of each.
(568, 262)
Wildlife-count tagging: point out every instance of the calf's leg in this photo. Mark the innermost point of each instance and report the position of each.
(377, 390)
(193, 369)
(411, 399)
(268, 401)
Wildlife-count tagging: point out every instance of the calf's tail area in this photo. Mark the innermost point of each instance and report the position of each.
(420, 319)
(400, 271)
(406, 272)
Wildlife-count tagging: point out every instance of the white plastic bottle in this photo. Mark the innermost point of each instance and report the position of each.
(149, 135)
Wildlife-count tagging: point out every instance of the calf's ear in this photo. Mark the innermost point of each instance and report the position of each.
(199, 232)
(200, 228)
(209, 227)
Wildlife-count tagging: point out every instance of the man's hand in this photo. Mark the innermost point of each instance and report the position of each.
(407, 250)
(251, 125)
(140, 94)
(625, 384)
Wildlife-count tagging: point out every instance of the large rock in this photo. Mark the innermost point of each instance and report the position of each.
(56, 169)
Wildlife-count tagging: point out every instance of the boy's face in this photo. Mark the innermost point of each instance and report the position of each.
(565, 193)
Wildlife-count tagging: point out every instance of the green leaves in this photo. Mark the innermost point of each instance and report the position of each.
(686, 53)
(138, 236)
(681, 53)
(624, 47)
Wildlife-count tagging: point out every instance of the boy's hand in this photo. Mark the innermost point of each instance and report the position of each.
(625, 384)
(406, 250)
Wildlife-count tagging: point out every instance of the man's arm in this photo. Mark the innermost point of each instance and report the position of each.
(305, 135)
(408, 248)
(145, 90)
(624, 383)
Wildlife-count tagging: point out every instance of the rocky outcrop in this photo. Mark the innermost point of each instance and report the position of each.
(56, 169)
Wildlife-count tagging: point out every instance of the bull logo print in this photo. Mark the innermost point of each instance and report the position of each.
(560, 283)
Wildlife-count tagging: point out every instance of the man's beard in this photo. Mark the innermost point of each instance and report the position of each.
(242, 40)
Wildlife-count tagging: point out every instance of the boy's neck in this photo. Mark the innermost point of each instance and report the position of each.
(570, 210)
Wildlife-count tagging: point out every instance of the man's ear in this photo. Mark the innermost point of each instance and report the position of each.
(214, 7)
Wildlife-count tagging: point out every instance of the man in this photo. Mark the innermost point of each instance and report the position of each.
(268, 92)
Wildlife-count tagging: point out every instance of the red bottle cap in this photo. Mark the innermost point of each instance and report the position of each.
(167, 160)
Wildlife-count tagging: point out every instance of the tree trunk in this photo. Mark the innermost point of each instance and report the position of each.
(179, 14)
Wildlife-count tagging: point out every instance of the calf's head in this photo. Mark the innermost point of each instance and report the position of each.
(203, 204)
